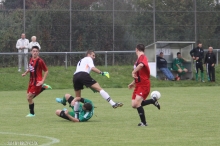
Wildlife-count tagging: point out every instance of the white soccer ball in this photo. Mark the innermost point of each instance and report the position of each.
(155, 94)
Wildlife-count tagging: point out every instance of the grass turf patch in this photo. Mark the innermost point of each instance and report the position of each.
(61, 78)
(188, 116)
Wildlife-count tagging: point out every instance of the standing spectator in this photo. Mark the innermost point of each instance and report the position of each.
(141, 83)
(197, 54)
(34, 43)
(210, 61)
(178, 65)
(22, 46)
(162, 65)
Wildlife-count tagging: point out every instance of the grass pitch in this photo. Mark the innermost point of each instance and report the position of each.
(189, 116)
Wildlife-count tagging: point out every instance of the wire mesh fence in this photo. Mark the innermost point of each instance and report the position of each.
(106, 25)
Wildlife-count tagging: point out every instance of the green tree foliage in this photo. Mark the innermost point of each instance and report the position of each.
(96, 26)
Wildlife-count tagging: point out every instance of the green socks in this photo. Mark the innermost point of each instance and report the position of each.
(202, 76)
(197, 76)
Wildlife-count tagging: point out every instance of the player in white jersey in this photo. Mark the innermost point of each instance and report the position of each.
(82, 77)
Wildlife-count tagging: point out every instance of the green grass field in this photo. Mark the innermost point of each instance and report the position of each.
(189, 116)
(61, 78)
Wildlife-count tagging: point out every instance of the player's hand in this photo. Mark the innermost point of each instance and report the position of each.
(133, 74)
(105, 74)
(197, 58)
(24, 74)
(39, 83)
(73, 102)
(193, 58)
(213, 64)
(130, 86)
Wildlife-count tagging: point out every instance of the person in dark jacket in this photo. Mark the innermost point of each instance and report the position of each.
(162, 65)
(210, 61)
(197, 54)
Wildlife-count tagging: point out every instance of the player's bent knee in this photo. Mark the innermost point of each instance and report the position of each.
(135, 105)
(67, 96)
(63, 115)
(58, 112)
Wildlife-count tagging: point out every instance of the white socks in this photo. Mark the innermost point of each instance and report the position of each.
(107, 97)
(76, 110)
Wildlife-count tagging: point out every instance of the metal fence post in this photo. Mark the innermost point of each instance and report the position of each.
(66, 60)
(217, 58)
(105, 58)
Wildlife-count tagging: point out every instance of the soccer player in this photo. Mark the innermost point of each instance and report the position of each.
(178, 65)
(210, 61)
(36, 82)
(79, 113)
(82, 77)
(141, 82)
(197, 54)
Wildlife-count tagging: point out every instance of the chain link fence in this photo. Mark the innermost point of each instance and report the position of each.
(105, 25)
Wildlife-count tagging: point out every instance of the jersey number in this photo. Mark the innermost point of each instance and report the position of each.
(79, 62)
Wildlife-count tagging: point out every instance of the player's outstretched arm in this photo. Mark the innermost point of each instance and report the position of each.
(75, 100)
(25, 73)
(100, 72)
(96, 70)
(131, 85)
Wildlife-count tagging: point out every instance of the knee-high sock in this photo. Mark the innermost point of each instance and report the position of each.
(141, 114)
(31, 107)
(76, 109)
(106, 97)
(146, 102)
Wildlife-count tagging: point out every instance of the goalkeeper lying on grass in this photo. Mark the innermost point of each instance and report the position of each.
(80, 112)
(82, 77)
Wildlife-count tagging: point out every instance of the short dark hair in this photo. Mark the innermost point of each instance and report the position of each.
(178, 53)
(140, 47)
(88, 106)
(89, 52)
(198, 42)
(161, 52)
(35, 47)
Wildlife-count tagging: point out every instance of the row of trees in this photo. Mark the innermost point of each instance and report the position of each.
(107, 24)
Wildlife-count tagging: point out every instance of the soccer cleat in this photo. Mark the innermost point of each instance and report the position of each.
(118, 104)
(30, 115)
(142, 124)
(46, 86)
(156, 103)
(19, 70)
(203, 81)
(60, 100)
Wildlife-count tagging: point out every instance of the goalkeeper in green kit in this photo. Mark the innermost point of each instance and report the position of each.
(80, 112)
(82, 77)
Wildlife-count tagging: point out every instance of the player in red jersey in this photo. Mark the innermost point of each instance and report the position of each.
(141, 82)
(36, 66)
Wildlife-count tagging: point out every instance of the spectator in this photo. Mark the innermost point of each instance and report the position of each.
(210, 61)
(178, 65)
(22, 46)
(197, 54)
(34, 43)
(162, 65)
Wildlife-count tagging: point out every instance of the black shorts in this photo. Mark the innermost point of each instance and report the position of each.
(82, 78)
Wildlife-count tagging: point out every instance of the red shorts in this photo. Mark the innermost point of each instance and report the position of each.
(142, 91)
(34, 89)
